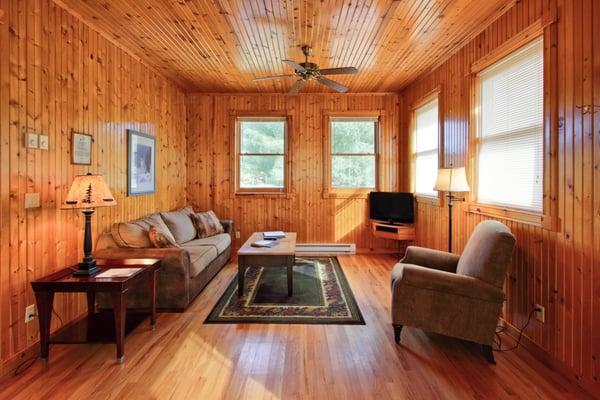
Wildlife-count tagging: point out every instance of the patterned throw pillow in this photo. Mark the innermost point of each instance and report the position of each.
(207, 224)
(159, 239)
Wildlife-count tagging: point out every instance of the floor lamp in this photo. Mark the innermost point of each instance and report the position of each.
(451, 180)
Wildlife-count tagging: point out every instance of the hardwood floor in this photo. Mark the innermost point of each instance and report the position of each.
(185, 359)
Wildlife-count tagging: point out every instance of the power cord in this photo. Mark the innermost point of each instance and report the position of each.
(500, 329)
(26, 364)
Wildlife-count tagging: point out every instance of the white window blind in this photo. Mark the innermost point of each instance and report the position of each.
(511, 131)
(426, 148)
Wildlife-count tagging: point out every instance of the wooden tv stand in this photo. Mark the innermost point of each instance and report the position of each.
(391, 231)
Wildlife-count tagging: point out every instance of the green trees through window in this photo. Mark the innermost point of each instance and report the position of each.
(262, 153)
(353, 149)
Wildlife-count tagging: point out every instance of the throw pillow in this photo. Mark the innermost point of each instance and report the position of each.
(159, 239)
(207, 224)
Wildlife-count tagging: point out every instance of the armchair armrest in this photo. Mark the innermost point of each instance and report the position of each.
(448, 282)
(440, 260)
(227, 225)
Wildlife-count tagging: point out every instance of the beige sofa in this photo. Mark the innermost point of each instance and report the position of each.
(185, 270)
(459, 296)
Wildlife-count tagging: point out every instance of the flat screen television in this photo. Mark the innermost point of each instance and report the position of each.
(394, 207)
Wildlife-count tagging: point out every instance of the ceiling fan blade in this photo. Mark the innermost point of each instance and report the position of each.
(338, 71)
(271, 77)
(334, 85)
(296, 88)
(294, 65)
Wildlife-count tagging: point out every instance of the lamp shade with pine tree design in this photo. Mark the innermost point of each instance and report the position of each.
(89, 191)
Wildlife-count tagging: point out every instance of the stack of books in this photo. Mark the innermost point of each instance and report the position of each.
(273, 235)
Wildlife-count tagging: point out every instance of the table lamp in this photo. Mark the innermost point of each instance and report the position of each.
(87, 193)
(451, 180)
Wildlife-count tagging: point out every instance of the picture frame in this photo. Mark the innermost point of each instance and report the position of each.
(81, 148)
(141, 163)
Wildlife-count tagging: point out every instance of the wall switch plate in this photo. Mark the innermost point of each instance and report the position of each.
(32, 200)
(43, 142)
(30, 313)
(237, 234)
(31, 140)
(540, 313)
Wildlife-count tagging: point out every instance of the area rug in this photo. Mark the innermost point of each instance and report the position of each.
(321, 296)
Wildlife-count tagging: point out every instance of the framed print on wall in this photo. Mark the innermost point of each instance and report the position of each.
(81, 148)
(141, 163)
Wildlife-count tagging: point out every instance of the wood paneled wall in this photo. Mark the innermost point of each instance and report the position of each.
(305, 210)
(558, 269)
(57, 75)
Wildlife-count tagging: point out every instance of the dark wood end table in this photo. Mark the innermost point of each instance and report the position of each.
(64, 281)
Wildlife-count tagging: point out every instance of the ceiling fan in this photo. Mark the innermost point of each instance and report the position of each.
(308, 71)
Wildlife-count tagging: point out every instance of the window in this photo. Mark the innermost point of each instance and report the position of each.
(510, 139)
(261, 154)
(353, 146)
(426, 136)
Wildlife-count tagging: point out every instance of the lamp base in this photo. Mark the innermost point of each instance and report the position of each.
(86, 268)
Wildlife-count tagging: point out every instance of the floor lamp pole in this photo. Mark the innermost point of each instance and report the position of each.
(450, 198)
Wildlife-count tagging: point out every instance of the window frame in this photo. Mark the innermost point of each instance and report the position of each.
(241, 116)
(546, 29)
(329, 191)
(435, 94)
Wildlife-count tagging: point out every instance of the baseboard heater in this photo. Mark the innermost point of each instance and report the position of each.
(308, 249)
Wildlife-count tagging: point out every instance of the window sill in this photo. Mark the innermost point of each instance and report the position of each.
(264, 194)
(347, 193)
(430, 200)
(525, 217)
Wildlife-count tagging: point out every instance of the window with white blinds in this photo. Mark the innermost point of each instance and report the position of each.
(426, 148)
(510, 147)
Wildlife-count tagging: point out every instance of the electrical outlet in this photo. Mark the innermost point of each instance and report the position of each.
(540, 313)
(32, 200)
(237, 234)
(30, 313)
(43, 142)
(32, 140)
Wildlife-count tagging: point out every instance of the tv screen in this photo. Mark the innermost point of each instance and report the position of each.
(392, 207)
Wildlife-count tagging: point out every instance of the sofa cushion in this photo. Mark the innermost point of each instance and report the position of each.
(207, 224)
(200, 257)
(219, 242)
(135, 233)
(180, 224)
(159, 239)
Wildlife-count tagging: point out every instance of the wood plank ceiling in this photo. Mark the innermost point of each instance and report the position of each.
(221, 45)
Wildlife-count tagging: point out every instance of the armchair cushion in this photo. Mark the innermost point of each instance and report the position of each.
(487, 253)
(436, 259)
(446, 282)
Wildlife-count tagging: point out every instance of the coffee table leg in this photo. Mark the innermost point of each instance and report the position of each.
(290, 276)
(44, 302)
(119, 308)
(241, 273)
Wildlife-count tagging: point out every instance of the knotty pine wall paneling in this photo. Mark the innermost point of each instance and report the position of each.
(305, 210)
(558, 269)
(58, 75)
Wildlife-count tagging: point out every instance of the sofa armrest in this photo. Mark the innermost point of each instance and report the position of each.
(448, 282)
(176, 258)
(436, 259)
(227, 225)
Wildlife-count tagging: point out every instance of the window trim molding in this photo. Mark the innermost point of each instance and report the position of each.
(235, 118)
(434, 94)
(347, 193)
(545, 28)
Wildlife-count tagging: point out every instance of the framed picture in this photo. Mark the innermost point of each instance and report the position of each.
(141, 163)
(81, 148)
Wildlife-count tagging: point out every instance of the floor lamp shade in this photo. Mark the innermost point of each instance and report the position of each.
(451, 180)
(88, 192)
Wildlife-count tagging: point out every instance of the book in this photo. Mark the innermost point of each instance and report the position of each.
(273, 235)
(264, 243)
(117, 273)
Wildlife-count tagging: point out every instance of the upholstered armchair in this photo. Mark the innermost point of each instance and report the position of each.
(458, 296)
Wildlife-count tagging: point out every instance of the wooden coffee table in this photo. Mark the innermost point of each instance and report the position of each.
(280, 255)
